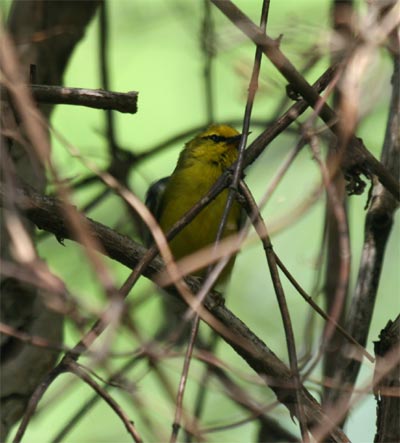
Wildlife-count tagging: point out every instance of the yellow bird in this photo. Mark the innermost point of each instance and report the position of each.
(200, 164)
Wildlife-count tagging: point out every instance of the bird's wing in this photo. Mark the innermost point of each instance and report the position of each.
(153, 201)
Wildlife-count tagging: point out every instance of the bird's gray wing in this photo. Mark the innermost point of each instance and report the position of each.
(154, 197)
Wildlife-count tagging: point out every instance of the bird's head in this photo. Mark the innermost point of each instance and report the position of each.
(217, 145)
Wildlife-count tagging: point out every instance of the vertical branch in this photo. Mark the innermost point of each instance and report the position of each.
(213, 274)
(208, 48)
(387, 390)
(261, 230)
(104, 73)
(378, 226)
(335, 289)
(24, 305)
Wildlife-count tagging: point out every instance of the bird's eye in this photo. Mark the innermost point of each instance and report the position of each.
(216, 138)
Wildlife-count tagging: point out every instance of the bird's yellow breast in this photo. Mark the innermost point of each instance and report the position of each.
(195, 174)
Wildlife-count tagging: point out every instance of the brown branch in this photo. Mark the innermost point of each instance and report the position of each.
(259, 225)
(238, 172)
(48, 214)
(257, 147)
(34, 400)
(74, 368)
(388, 404)
(91, 98)
(26, 365)
(378, 226)
(356, 158)
(335, 287)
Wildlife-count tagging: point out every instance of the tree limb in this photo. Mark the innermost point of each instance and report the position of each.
(47, 213)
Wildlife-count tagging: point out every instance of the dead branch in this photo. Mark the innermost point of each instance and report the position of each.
(91, 98)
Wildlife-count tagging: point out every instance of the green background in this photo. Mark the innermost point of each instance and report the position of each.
(154, 48)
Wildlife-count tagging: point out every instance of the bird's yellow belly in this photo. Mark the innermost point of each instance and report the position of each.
(202, 231)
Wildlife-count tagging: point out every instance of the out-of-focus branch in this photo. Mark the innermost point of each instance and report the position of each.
(356, 158)
(378, 225)
(335, 287)
(41, 33)
(48, 214)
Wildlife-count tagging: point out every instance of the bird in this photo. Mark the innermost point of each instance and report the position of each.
(201, 162)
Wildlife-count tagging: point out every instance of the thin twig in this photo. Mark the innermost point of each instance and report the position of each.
(74, 368)
(34, 400)
(261, 230)
(104, 74)
(208, 48)
(44, 212)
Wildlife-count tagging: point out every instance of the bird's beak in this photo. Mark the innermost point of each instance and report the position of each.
(236, 138)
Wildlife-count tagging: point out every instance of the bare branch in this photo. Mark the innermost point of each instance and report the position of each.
(356, 158)
(91, 98)
(48, 214)
(387, 390)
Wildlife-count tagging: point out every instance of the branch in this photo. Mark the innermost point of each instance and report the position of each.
(74, 368)
(48, 213)
(356, 158)
(378, 226)
(387, 389)
(91, 98)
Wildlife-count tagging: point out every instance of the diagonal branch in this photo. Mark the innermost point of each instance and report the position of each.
(48, 214)
(356, 158)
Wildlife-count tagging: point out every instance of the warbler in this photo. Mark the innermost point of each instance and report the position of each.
(201, 162)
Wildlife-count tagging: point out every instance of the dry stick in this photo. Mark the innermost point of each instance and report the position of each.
(356, 155)
(33, 340)
(259, 225)
(89, 404)
(74, 368)
(44, 212)
(100, 325)
(125, 102)
(182, 382)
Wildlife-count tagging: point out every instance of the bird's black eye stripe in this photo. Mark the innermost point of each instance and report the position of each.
(216, 138)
